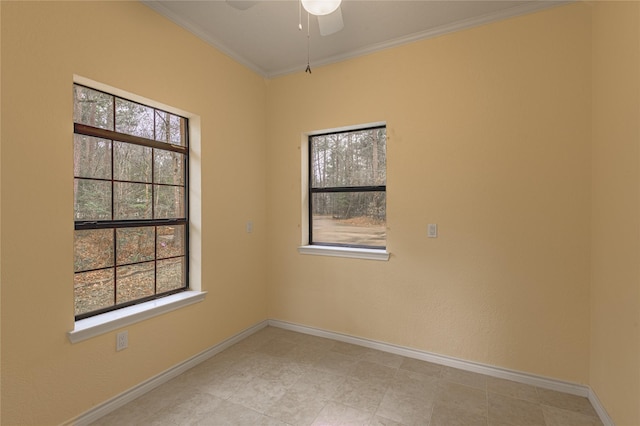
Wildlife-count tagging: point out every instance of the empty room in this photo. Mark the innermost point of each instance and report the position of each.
(254, 212)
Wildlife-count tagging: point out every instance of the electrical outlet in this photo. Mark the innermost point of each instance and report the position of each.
(432, 230)
(122, 340)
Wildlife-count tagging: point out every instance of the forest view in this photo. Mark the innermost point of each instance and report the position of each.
(348, 188)
(130, 163)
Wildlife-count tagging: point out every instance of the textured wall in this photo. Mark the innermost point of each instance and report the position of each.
(615, 290)
(45, 379)
(489, 137)
(490, 134)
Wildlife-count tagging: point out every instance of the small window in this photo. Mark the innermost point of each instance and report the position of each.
(347, 188)
(130, 202)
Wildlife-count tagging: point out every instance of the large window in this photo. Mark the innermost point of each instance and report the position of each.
(347, 188)
(130, 202)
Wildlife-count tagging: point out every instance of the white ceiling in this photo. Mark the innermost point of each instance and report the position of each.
(265, 37)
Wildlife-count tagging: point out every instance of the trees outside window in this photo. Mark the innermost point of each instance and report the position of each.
(130, 202)
(347, 188)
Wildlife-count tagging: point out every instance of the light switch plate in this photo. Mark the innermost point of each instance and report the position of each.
(432, 230)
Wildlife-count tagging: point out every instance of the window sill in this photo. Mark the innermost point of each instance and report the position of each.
(100, 324)
(356, 253)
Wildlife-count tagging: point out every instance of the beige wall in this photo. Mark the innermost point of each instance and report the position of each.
(0, 219)
(45, 379)
(615, 289)
(489, 137)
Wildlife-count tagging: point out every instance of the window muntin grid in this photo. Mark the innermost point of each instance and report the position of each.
(130, 202)
(347, 188)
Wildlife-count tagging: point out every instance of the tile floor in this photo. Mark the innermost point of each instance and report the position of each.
(279, 377)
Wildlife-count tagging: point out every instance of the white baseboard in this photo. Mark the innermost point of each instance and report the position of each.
(148, 385)
(489, 370)
(597, 405)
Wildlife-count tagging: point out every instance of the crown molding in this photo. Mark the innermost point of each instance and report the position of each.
(202, 35)
(422, 35)
(431, 33)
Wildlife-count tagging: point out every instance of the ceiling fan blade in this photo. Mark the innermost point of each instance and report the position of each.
(331, 23)
(241, 4)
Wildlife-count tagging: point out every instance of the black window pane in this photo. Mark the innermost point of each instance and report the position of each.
(93, 249)
(350, 218)
(134, 119)
(355, 158)
(93, 290)
(170, 241)
(135, 282)
(170, 274)
(131, 200)
(168, 167)
(135, 244)
(170, 128)
(169, 202)
(92, 157)
(131, 181)
(92, 199)
(92, 108)
(132, 162)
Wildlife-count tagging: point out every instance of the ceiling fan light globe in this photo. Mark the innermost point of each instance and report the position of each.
(320, 7)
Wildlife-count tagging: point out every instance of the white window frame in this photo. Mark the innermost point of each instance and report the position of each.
(321, 250)
(99, 324)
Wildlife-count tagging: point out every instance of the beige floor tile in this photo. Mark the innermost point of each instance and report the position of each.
(423, 367)
(221, 384)
(383, 358)
(154, 411)
(367, 370)
(506, 410)
(231, 414)
(381, 421)
(444, 415)
(258, 394)
(364, 394)
(512, 389)
(223, 360)
(334, 362)
(411, 383)
(252, 343)
(266, 421)
(256, 364)
(459, 405)
(131, 415)
(278, 377)
(559, 417)
(407, 409)
(335, 414)
(462, 398)
(305, 356)
(464, 377)
(566, 401)
(285, 374)
(296, 409)
(191, 410)
(170, 393)
(276, 347)
(317, 384)
(349, 349)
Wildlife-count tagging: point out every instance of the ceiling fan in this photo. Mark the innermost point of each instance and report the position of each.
(328, 12)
